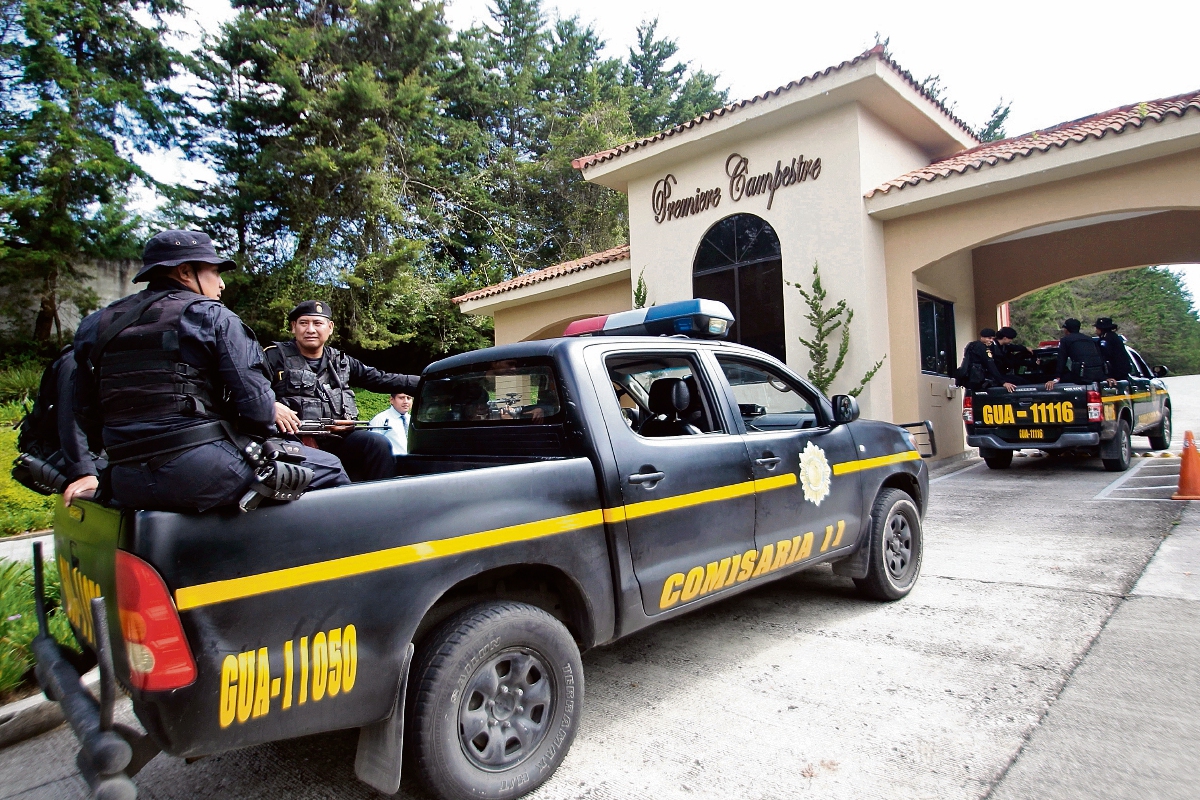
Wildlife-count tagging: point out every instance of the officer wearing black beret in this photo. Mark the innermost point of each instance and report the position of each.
(978, 370)
(172, 380)
(1010, 355)
(1117, 363)
(313, 381)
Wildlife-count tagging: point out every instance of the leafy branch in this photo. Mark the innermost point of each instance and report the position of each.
(825, 322)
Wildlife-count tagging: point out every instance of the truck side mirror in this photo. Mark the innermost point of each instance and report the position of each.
(1161, 371)
(845, 409)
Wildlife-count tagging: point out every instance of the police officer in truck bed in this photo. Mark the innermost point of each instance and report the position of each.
(1010, 356)
(1116, 358)
(1083, 354)
(979, 371)
(169, 378)
(312, 381)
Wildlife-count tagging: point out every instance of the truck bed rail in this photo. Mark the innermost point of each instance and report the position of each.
(922, 433)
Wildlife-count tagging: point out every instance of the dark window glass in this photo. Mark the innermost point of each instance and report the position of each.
(738, 262)
(936, 324)
(504, 393)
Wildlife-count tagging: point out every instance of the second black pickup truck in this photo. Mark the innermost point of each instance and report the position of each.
(620, 481)
(1094, 418)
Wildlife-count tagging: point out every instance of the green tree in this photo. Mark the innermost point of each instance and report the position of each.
(85, 85)
(663, 94)
(993, 129)
(1151, 304)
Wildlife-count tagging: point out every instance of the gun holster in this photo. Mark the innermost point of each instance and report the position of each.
(278, 474)
(39, 475)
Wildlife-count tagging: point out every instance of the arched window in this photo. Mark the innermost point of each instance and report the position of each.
(738, 263)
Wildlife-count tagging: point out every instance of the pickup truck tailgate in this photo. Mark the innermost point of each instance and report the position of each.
(86, 537)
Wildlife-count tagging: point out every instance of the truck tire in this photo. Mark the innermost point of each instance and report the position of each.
(497, 700)
(1160, 439)
(1123, 443)
(896, 547)
(995, 458)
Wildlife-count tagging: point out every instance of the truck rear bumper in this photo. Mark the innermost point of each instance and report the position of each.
(1064, 442)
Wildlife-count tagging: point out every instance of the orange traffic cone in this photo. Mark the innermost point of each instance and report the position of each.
(1189, 471)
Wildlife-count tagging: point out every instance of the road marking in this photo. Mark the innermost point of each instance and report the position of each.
(1107, 490)
(956, 473)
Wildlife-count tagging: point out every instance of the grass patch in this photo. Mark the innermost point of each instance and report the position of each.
(21, 509)
(18, 384)
(370, 403)
(18, 624)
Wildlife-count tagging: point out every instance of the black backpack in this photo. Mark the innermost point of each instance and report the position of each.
(37, 466)
(38, 434)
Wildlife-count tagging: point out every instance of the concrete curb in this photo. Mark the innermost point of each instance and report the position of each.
(34, 715)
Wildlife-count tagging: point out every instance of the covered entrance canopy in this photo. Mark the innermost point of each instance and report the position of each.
(922, 229)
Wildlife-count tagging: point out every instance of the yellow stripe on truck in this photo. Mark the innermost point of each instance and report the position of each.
(206, 594)
(846, 467)
(237, 588)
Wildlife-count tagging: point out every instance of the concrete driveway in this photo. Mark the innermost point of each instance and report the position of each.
(801, 689)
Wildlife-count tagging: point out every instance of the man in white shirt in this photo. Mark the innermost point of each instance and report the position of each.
(393, 423)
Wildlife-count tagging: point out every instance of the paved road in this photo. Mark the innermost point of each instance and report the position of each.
(800, 689)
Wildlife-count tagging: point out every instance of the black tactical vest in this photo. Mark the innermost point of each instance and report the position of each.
(312, 396)
(142, 373)
(1087, 364)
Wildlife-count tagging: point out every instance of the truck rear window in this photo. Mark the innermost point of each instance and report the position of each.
(504, 392)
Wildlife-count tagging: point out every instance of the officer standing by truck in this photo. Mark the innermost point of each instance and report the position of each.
(1117, 363)
(169, 376)
(1083, 355)
(313, 381)
(978, 370)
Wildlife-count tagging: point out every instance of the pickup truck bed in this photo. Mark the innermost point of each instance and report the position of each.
(1096, 418)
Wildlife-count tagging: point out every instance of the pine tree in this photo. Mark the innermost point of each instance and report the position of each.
(83, 83)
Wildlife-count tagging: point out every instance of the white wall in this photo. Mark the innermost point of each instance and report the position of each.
(822, 220)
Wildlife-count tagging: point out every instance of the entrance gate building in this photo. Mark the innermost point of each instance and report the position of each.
(921, 228)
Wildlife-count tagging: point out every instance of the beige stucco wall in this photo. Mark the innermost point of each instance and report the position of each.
(545, 319)
(915, 242)
(820, 220)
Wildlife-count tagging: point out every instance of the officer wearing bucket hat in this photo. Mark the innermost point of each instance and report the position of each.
(1112, 347)
(172, 380)
(312, 381)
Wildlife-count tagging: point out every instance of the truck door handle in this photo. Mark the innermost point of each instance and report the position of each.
(770, 462)
(647, 477)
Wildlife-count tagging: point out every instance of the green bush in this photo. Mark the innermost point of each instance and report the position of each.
(370, 403)
(18, 624)
(20, 384)
(21, 510)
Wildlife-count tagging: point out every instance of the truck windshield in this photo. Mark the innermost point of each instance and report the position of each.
(504, 392)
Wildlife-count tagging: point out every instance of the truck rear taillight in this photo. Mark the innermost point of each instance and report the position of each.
(968, 411)
(158, 653)
(1095, 407)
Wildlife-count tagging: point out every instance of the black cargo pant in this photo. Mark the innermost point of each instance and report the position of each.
(204, 477)
(367, 456)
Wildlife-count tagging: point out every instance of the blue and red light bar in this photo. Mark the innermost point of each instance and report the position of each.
(699, 318)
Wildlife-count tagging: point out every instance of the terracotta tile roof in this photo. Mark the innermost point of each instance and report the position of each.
(875, 52)
(565, 268)
(1116, 121)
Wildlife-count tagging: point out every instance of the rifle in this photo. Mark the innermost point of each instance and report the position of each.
(329, 427)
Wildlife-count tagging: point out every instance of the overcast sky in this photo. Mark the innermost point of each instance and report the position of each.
(1055, 61)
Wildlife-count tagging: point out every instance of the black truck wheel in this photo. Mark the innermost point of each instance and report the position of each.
(996, 458)
(1161, 438)
(497, 702)
(896, 546)
(1121, 449)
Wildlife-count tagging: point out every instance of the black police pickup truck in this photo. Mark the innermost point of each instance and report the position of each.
(560, 494)
(1094, 418)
